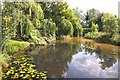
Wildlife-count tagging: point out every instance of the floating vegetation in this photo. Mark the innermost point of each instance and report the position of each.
(23, 68)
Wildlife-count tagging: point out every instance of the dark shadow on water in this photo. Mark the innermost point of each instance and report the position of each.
(76, 59)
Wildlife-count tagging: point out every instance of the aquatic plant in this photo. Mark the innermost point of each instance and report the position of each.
(24, 68)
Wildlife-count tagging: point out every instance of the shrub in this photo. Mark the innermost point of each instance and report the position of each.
(86, 30)
(104, 38)
(115, 39)
(94, 27)
(92, 35)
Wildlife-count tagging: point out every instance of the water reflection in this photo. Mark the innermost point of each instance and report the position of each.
(83, 66)
(76, 59)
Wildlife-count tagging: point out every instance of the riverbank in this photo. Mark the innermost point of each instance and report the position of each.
(104, 37)
(74, 55)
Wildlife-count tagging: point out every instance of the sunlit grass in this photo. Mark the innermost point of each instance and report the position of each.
(11, 46)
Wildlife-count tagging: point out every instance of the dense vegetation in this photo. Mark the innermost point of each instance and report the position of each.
(104, 27)
(32, 22)
(27, 23)
(23, 68)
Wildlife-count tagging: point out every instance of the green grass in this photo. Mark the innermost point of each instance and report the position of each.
(11, 46)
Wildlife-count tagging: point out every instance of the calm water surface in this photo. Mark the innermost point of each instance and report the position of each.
(77, 58)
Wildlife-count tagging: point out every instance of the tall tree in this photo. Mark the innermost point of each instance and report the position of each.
(93, 15)
(110, 23)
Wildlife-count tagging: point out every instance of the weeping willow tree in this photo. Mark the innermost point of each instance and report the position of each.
(25, 21)
(65, 28)
(19, 19)
(58, 10)
(48, 28)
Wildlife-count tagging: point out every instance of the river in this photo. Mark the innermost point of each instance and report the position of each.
(77, 58)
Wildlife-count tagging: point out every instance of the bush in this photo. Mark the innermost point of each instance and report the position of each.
(98, 36)
(11, 46)
(94, 27)
(115, 39)
(104, 38)
(86, 30)
(93, 35)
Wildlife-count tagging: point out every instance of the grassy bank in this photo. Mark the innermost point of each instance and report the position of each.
(11, 46)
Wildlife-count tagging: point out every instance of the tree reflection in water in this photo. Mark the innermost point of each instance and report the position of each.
(107, 54)
(58, 58)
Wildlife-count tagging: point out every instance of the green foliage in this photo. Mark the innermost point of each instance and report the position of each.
(118, 25)
(78, 30)
(58, 10)
(93, 15)
(86, 30)
(11, 46)
(78, 14)
(4, 58)
(92, 35)
(65, 28)
(47, 28)
(73, 18)
(20, 18)
(96, 35)
(6, 28)
(23, 68)
(94, 27)
(104, 38)
(115, 39)
(36, 23)
(104, 23)
(1, 73)
(34, 35)
(110, 23)
(22, 21)
(26, 30)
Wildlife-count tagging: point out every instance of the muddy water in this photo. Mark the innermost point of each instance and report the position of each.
(77, 58)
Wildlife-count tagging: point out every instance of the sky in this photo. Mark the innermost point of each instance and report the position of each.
(110, 6)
